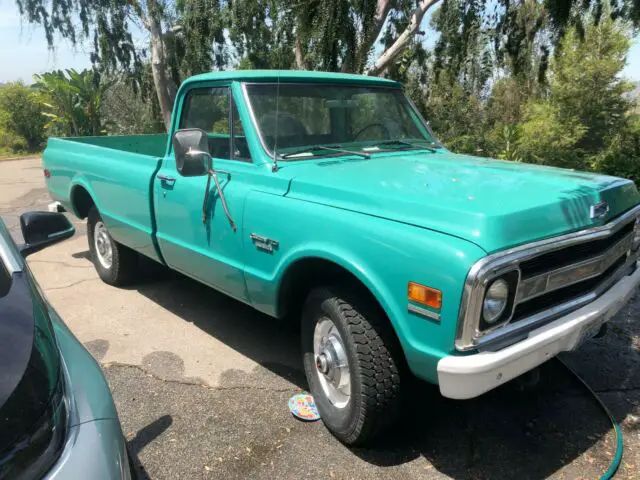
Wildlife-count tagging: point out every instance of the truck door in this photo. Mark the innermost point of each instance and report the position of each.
(206, 247)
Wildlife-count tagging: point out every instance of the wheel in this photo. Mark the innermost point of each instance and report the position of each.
(115, 263)
(352, 361)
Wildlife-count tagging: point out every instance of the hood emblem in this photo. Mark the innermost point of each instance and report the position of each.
(598, 210)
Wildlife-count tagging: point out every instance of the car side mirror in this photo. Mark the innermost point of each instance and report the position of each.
(42, 229)
(191, 148)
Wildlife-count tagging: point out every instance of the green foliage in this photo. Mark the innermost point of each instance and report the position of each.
(21, 123)
(622, 155)
(546, 136)
(456, 116)
(522, 80)
(262, 33)
(72, 102)
(583, 120)
(516, 86)
(328, 28)
(126, 111)
(463, 49)
(585, 82)
(200, 41)
(107, 21)
(509, 138)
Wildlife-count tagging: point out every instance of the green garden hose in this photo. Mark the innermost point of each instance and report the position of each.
(617, 458)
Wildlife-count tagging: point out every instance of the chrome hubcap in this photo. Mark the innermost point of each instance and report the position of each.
(331, 361)
(102, 242)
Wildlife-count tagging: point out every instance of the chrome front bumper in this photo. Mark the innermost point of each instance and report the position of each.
(468, 376)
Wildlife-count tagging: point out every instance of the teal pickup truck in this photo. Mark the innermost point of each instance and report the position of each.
(325, 198)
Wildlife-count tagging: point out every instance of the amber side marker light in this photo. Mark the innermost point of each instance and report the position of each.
(428, 296)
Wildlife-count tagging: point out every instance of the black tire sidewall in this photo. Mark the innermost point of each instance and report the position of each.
(342, 422)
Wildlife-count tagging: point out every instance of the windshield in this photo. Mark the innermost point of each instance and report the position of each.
(305, 116)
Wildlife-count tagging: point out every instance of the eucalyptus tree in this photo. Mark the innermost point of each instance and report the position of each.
(107, 24)
(341, 35)
(263, 33)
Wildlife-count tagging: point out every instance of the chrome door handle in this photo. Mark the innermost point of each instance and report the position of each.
(167, 179)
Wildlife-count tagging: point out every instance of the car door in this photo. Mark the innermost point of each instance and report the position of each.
(195, 239)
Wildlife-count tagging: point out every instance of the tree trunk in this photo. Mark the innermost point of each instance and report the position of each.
(165, 87)
(403, 40)
(300, 64)
(367, 40)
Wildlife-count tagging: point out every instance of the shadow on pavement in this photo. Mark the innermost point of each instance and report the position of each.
(144, 437)
(273, 344)
(507, 433)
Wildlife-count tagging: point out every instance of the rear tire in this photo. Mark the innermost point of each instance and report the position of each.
(116, 264)
(341, 326)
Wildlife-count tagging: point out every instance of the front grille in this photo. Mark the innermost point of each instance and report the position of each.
(557, 276)
(570, 255)
(562, 295)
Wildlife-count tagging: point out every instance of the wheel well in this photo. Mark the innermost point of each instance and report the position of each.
(309, 273)
(81, 201)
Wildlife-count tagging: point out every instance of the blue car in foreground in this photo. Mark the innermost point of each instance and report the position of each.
(57, 416)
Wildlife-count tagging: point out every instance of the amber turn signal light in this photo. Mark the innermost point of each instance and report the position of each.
(428, 296)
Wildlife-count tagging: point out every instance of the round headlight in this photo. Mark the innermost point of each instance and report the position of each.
(495, 301)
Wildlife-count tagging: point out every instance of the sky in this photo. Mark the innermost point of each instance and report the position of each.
(24, 52)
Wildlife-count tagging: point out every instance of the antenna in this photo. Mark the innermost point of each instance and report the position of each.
(274, 168)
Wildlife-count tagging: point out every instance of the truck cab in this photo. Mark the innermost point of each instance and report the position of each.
(325, 199)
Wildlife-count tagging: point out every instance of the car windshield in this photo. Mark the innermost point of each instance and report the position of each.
(298, 118)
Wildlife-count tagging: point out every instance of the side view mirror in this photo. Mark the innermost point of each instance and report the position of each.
(191, 148)
(42, 229)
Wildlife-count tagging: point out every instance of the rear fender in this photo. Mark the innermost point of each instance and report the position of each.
(79, 181)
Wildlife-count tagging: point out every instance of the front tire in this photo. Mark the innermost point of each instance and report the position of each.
(115, 263)
(352, 361)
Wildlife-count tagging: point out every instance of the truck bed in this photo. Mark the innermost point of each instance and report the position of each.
(152, 145)
(117, 173)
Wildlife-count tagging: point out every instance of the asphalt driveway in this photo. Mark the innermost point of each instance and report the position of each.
(201, 384)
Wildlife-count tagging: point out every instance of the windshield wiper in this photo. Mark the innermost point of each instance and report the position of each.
(332, 148)
(407, 144)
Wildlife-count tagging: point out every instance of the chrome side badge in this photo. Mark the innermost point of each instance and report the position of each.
(264, 243)
(598, 210)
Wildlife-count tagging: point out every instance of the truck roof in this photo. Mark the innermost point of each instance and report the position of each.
(290, 75)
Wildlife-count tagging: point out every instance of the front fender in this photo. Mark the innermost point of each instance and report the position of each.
(384, 255)
(348, 260)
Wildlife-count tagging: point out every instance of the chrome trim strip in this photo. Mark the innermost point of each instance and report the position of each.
(423, 312)
(254, 121)
(488, 267)
(7, 256)
(562, 277)
(521, 326)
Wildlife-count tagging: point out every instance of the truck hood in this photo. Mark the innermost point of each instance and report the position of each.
(495, 204)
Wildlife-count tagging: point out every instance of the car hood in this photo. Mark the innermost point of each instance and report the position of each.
(495, 204)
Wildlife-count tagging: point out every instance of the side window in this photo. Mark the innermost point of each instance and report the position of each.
(212, 110)
(208, 109)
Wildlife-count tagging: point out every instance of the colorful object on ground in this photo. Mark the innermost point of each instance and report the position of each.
(303, 406)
